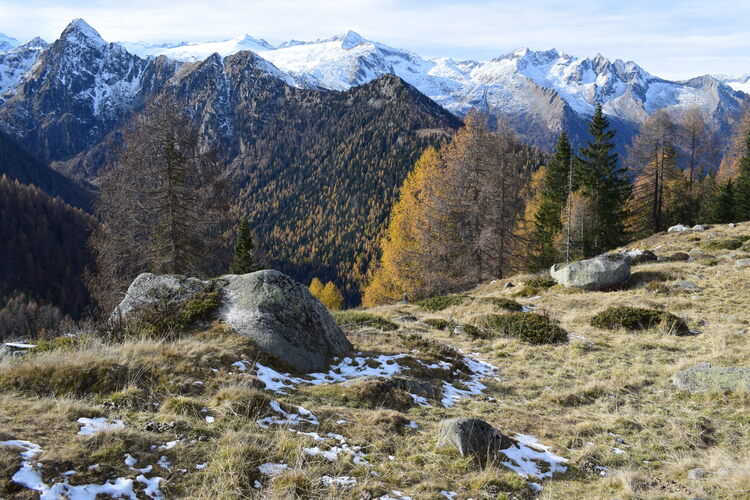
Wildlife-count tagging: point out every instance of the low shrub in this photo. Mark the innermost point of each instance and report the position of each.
(502, 303)
(541, 281)
(434, 304)
(529, 327)
(436, 350)
(359, 318)
(185, 406)
(656, 287)
(440, 324)
(636, 318)
(723, 244)
(368, 394)
(472, 331)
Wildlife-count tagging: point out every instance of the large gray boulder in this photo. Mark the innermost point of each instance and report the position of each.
(706, 378)
(283, 319)
(471, 436)
(278, 314)
(604, 271)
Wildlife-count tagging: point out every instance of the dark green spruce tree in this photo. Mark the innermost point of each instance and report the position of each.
(723, 208)
(547, 223)
(243, 257)
(742, 185)
(600, 179)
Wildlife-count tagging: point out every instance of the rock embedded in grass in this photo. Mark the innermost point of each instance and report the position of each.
(706, 378)
(599, 273)
(471, 437)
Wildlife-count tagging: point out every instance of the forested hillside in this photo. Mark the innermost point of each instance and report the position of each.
(44, 252)
(22, 166)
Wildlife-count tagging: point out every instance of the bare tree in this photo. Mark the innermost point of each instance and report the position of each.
(163, 205)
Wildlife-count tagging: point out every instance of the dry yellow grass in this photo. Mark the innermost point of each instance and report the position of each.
(601, 392)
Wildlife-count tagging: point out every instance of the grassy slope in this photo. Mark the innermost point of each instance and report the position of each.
(602, 390)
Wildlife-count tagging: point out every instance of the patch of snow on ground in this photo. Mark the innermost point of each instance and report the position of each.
(303, 416)
(383, 366)
(344, 482)
(271, 469)
(450, 495)
(96, 425)
(31, 478)
(332, 454)
(529, 458)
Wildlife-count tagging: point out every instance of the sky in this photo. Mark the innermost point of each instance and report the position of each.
(674, 39)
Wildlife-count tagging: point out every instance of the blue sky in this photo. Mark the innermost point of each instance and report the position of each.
(669, 38)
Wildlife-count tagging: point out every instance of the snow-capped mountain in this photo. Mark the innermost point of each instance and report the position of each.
(740, 83)
(545, 87)
(539, 93)
(17, 62)
(7, 43)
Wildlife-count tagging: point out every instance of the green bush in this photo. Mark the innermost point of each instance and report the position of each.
(434, 304)
(440, 324)
(502, 303)
(359, 318)
(528, 327)
(535, 286)
(636, 318)
(164, 319)
(725, 244)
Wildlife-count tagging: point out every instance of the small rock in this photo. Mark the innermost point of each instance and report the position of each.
(471, 436)
(679, 257)
(732, 224)
(678, 229)
(696, 474)
(508, 285)
(699, 227)
(686, 286)
(704, 378)
(639, 256)
(742, 263)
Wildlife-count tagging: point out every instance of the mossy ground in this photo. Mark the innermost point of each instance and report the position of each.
(603, 391)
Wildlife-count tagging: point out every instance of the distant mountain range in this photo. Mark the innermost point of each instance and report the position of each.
(538, 93)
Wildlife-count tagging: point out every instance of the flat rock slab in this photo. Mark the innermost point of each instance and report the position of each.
(706, 378)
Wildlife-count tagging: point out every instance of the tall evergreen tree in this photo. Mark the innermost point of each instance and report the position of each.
(554, 195)
(723, 209)
(742, 185)
(600, 179)
(243, 256)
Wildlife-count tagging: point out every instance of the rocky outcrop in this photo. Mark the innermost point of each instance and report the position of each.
(706, 378)
(471, 436)
(278, 314)
(605, 271)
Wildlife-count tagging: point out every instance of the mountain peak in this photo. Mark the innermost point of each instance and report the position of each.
(7, 42)
(350, 39)
(81, 31)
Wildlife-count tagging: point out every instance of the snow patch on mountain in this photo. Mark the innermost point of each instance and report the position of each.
(739, 83)
(197, 51)
(7, 43)
(16, 63)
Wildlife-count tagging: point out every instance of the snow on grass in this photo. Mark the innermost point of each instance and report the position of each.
(343, 482)
(272, 469)
(31, 478)
(96, 425)
(383, 366)
(303, 416)
(528, 458)
(450, 495)
(332, 454)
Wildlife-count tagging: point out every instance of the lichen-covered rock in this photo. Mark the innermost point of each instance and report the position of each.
(705, 378)
(605, 271)
(148, 289)
(283, 319)
(471, 436)
(742, 263)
